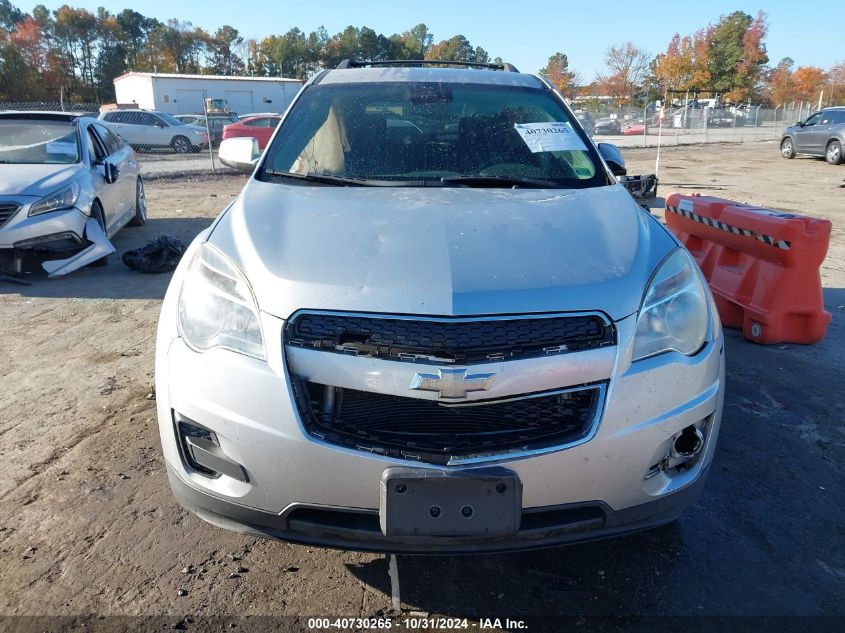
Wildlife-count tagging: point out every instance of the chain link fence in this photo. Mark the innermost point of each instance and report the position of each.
(162, 142)
(693, 123)
(165, 144)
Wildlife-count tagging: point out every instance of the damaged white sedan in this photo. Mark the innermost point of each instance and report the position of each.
(67, 184)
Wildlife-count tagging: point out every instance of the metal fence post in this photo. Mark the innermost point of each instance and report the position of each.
(645, 127)
(208, 129)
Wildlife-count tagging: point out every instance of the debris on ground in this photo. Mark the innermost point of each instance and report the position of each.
(640, 187)
(12, 279)
(162, 255)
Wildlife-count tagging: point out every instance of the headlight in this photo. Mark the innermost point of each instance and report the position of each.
(217, 307)
(61, 199)
(673, 316)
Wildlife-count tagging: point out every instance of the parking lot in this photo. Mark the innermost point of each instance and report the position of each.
(88, 524)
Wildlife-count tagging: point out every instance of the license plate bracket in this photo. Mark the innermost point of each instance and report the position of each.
(427, 502)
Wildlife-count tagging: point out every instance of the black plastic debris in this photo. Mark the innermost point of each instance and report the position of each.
(159, 256)
(641, 187)
(12, 279)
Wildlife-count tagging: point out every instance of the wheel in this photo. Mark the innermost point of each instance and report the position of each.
(787, 148)
(97, 214)
(833, 153)
(140, 205)
(181, 145)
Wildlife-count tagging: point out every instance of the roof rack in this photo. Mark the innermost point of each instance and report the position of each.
(358, 63)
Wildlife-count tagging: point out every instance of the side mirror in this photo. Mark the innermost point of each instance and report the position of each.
(110, 172)
(613, 157)
(800, 124)
(239, 153)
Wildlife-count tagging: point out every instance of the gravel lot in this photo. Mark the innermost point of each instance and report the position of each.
(88, 525)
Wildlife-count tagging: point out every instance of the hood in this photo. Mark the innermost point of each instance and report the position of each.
(195, 128)
(442, 251)
(35, 180)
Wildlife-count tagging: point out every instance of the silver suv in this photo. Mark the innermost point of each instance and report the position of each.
(822, 134)
(433, 321)
(155, 130)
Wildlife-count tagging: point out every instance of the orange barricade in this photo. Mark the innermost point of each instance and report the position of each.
(762, 265)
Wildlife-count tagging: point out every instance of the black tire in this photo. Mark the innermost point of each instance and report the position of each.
(787, 148)
(833, 153)
(180, 145)
(97, 214)
(140, 205)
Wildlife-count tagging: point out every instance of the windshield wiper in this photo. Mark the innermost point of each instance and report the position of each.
(322, 178)
(349, 181)
(499, 181)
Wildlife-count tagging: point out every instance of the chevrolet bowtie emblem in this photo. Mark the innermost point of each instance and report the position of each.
(452, 383)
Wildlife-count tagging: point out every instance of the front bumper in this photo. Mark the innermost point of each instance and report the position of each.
(25, 232)
(351, 528)
(299, 488)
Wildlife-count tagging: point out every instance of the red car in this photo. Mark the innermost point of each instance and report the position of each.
(259, 127)
(632, 129)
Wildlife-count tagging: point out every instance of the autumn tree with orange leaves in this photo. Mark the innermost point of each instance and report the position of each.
(685, 64)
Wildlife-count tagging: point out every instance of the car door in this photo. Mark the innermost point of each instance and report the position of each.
(264, 128)
(133, 130)
(117, 122)
(807, 139)
(824, 129)
(121, 156)
(108, 195)
(153, 130)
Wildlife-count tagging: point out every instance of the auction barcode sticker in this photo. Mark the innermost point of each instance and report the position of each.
(549, 137)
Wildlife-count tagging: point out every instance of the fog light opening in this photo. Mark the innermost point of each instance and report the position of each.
(203, 454)
(688, 444)
(684, 449)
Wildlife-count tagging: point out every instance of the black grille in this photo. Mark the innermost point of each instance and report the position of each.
(461, 341)
(7, 210)
(430, 431)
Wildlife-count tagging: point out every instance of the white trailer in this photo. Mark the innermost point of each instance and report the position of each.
(185, 94)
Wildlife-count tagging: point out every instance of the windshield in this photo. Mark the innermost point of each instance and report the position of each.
(169, 118)
(38, 142)
(412, 133)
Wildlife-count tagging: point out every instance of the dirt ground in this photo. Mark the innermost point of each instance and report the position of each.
(88, 526)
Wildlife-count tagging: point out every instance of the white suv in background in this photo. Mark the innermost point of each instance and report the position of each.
(148, 130)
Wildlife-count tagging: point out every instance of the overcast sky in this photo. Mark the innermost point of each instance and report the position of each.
(523, 33)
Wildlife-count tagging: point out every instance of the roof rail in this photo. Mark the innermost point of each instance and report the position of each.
(358, 63)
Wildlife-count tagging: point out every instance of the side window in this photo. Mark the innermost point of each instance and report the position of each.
(813, 119)
(838, 116)
(145, 118)
(252, 123)
(828, 117)
(111, 117)
(111, 141)
(273, 121)
(96, 151)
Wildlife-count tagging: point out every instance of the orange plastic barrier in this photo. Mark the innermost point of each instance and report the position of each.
(762, 265)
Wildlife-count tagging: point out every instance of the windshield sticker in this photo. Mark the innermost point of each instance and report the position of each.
(61, 147)
(549, 137)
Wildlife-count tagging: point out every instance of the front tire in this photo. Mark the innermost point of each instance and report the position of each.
(181, 145)
(140, 217)
(787, 148)
(833, 153)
